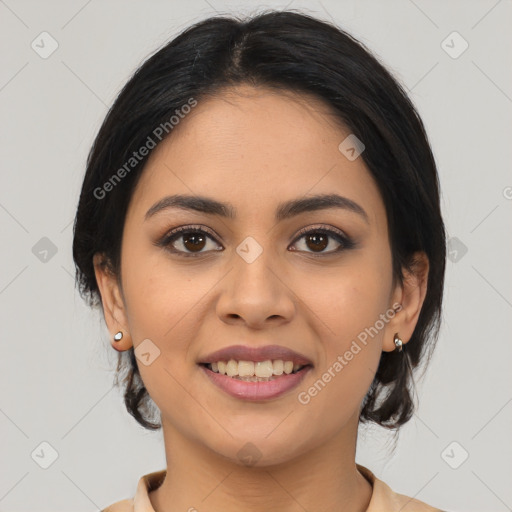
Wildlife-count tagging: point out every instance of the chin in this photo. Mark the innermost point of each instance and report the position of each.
(259, 450)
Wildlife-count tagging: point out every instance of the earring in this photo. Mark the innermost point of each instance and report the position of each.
(398, 343)
(118, 336)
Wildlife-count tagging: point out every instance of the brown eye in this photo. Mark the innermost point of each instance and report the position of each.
(188, 241)
(194, 241)
(316, 240)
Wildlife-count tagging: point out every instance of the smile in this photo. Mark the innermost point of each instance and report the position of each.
(255, 381)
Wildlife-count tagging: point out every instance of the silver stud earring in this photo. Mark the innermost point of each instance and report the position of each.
(398, 343)
(118, 336)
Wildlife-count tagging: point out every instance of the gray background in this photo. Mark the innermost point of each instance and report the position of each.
(56, 368)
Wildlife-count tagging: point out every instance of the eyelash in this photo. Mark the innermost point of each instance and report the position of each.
(344, 241)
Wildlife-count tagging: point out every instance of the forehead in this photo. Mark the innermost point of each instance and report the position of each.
(253, 148)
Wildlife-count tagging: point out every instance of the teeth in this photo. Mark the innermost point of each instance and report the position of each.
(246, 369)
(249, 369)
(278, 366)
(232, 368)
(264, 369)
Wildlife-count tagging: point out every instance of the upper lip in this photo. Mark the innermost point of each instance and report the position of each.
(246, 353)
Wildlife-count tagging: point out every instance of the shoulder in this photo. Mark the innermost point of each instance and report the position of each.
(140, 501)
(120, 506)
(384, 499)
(407, 504)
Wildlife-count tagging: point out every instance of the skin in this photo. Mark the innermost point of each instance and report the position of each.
(255, 148)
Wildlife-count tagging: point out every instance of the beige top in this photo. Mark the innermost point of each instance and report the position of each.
(383, 498)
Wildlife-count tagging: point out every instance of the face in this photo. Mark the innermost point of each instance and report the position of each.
(310, 280)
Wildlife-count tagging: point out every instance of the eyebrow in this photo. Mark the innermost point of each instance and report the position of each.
(284, 210)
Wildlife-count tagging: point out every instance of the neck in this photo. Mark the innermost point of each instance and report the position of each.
(324, 478)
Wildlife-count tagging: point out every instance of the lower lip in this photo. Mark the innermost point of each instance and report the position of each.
(254, 391)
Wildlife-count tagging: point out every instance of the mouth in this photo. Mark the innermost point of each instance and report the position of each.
(249, 372)
(255, 371)
(259, 381)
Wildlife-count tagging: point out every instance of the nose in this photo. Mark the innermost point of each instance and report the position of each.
(256, 294)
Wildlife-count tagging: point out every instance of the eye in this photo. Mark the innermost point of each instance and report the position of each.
(193, 241)
(187, 241)
(318, 239)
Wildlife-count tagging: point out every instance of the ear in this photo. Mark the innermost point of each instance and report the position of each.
(114, 309)
(410, 295)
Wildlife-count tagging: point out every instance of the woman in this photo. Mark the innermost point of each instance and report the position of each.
(260, 224)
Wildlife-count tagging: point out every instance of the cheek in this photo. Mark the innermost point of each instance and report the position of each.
(348, 357)
(163, 304)
(349, 298)
(347, 304)
(167, 304)
(159, 293)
